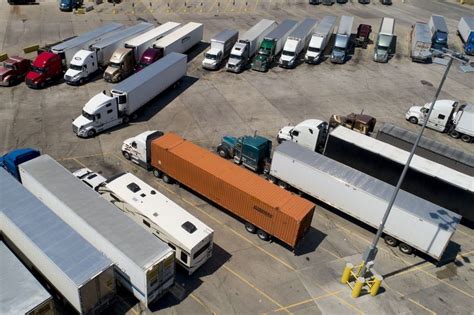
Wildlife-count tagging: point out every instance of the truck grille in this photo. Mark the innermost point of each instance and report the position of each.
(28, 82)
(67, 78)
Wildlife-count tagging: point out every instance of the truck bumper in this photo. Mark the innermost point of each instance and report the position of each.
(4, 83)
(32, 85)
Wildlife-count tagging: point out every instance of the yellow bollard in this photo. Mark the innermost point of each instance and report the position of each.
(3, 57)
(358, 287)
(346, 274)
(376, 286)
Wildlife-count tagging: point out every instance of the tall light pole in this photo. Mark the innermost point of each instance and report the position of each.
(371, 252)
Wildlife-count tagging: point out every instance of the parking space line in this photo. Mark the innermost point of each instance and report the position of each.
(79, 162)
(255, 288)
(320, 297)
(82, 156)
(464, 233)
(410, 299)
(198, 300)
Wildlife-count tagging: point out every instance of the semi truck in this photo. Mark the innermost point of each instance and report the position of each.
(466, 32)
(448, 116)
(420, 37)
(144, 264)
(296, 43)
(14, 70)
(342, 44)
(439, 32)
(10, 160)
(81, 274)
(413, 223)
(265, 208)
(104, 111)
(221, 45)
(426, 179)
(112, 72)
(20, 292)
(319, 40)
(126, 61)
(310, 133)
(86, 63)
(179, 41)
(252, 152)
(385, 40)
(69, 5)
(441, 153)
(191, 239)
(246, 47)
(272, 45)
(362, 123)
(49, 65)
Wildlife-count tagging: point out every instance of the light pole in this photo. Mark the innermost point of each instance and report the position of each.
(371, 252)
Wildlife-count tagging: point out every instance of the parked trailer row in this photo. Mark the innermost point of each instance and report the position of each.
(189, 237)
(20, 292)
(78, 271)
(144, 264)
(413, 222)
(265, 208)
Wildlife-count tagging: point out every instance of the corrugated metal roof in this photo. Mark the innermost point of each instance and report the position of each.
(73, 255)
(20, 292)
(405, 201)
(237, 176)
(121, 231)
(432, 145)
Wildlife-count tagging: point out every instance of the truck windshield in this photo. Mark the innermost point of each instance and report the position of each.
(75, 67)
(37, 69)
(441, 37)
(87, 115)
(313, 49)
(211, 57)
(263, 52)
(288, 53)
(235, 57)
(114, 64)
(384, 41)
(9, 66)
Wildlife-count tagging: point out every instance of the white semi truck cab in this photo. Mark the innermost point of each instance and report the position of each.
(83, 65)
(310, 133)
(239, 57)
(290, 52)
(315, 49)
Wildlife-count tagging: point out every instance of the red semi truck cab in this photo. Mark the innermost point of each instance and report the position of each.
(149, 56)
(45, 68)
(13, 70)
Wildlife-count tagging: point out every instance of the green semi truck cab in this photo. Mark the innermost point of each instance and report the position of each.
(251, 151)
(265, 55)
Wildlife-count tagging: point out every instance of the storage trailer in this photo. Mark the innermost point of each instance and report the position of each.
(189, 237)
(47, 244)
(20, 292)
(413, 223)
(246, 47)
(265, 208)
(144, 264)
(426, 179)
(102, 111)
(296, 43)
(319, 40)
(420, 37)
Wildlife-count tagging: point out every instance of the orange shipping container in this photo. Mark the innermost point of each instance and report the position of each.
(270, 208)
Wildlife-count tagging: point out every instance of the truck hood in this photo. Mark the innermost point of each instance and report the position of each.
(33, 76)
(284, 132)
(81, 122)
(413, 111)
(110, 72)
(286, 58)
(71, 73)
(4, 71)
(234, 61)
(312, 54)
(229, 140)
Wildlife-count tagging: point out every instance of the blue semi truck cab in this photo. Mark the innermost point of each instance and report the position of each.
(251, 151)
(12, 159)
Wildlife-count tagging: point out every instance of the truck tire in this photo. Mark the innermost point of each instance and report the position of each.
(91, 133)
(406, 249)
(157, 173)
(223, 152)
(413, 120)
(126, 119)
(390, 241)
(126, 155)
(466, 138)
(263, 235)
(249, 227)
(167, 179)
(454, 134)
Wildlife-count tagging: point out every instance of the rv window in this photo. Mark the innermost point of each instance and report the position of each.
(146, 223)
(184, 257)
(440, 116)
(133, 187)
(189, 227)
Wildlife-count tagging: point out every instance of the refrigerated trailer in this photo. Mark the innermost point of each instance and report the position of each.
(446, 155)
(189, 237)
(104, 111)
(144, 264)
(265, 208)
(426, 179)
(47, 244)
(20, 292)
(413, 223)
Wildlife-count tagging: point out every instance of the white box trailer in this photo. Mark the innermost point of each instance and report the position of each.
(414, 222)
(78, 271)
(102, 111)
(191, 239)
(296, 42)
(70, 47)
(420, 42)
(144, 264)
(20, 292)
(320, 38)
(180, 40)
(221, 45)
(247, 45)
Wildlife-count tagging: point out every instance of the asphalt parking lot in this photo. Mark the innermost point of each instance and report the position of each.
(246, 275)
